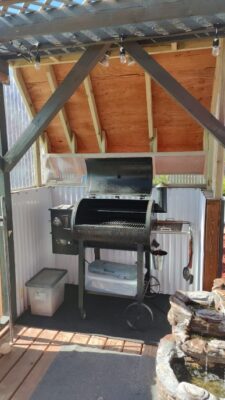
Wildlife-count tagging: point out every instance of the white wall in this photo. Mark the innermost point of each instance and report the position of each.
(33, 240)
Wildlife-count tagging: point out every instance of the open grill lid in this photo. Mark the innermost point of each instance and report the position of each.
(120, 176)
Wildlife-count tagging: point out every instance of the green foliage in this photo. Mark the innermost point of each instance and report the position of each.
(160, 179)
(224, 186)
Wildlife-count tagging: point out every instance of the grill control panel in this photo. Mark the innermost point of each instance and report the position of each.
(62, 241)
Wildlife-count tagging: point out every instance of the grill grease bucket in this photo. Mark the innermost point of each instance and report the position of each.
(158, 257)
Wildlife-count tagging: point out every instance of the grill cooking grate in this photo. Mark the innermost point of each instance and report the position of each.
(124, 224)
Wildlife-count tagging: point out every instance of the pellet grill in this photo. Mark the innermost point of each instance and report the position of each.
(117, 213)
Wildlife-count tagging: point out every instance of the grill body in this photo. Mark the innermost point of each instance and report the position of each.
(113, 223)
(118, 213)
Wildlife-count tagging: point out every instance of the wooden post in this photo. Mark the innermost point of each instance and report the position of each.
(5, 191)
(212, 242)
(215, 158)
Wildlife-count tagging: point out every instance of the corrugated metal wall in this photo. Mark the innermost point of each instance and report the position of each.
(183, 204)
(32, 239)
(17, 120)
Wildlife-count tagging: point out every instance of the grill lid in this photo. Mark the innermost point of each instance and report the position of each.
(120, 176)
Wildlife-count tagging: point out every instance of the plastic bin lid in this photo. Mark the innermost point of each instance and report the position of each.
(46, 278)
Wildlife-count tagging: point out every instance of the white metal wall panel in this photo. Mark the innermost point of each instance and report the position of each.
(17, 119)
(32, 240)
(183, 204)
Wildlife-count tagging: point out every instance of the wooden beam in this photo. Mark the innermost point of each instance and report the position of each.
(6, 222)
(128, 155)
(177, 91)
(107, 15)
(40, 122)
(151, 131)
(218, 167)
(70, 137)
(4, 72)
(18, 77)
(215, 152)
(94, 115)
(186, 45)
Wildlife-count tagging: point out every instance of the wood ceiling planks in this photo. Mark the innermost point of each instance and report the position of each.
(120, 97)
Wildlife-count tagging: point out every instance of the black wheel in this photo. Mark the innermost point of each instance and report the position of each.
(83, 314)
(152, 287)
(138, 316)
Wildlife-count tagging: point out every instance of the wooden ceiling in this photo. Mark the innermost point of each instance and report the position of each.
(120, 96)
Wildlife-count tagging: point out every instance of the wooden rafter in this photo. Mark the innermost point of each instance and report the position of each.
(100, 135)
(177, 91)
(70, 137)
(188, 45)
(31, 112)
(104, 15)
(51, 108)
(151, 131)
(218, 109)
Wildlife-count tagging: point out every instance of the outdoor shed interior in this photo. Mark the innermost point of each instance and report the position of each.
(111, 150)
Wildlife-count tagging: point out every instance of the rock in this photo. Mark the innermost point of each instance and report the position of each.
(203, 298)
(219, 300)
(218, 283)
(194, 348)
(187, 391)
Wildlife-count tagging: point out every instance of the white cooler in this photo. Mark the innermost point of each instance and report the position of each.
(46, 291)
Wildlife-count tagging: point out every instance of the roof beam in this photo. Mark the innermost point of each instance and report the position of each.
(107, 15)
(177, 91)
(70, 138)
(94, 114)
(187, 45)
(57, 100)
(151, 131)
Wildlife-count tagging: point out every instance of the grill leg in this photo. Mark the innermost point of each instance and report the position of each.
(140, 266)
(97, 253)
(81, 279)
(147, 265)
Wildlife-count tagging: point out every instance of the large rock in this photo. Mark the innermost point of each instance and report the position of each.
(187, 391)
(198, 348)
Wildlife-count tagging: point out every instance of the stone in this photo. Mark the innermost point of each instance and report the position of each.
(218, 283)
(187, 391)
(219, 300)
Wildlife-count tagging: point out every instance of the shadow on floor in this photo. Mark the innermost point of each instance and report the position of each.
(105, 316)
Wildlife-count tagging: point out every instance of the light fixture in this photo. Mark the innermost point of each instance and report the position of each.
(105, 60)
(130, 61)
(216, 45)
(123, 57)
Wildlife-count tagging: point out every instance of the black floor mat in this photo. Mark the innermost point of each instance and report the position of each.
(105, 316)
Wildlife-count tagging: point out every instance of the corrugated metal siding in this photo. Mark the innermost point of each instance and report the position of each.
(32, 239)
(17, 120)
(183, 204)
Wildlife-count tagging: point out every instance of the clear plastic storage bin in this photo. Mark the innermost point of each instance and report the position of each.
(46, 291)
